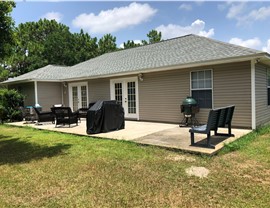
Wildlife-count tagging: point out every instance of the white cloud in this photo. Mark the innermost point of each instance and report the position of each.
(267, 47)
(243, 16)
(53, 16)
(186, 7)
(260, 14)
(254, 43)
(115, 19)
(236, 10)
(197, 27)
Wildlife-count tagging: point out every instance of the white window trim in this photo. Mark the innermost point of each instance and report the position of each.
(212, 84)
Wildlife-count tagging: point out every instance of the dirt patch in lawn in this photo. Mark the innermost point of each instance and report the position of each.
(200, 172)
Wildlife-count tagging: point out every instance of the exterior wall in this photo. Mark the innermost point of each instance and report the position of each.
(98, 89)
(27, 89)
(161, 93)
(232, 85)
(49, 93)
(262, 108)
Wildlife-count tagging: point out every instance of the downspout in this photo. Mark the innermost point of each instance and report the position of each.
(36, 94)
(253, 95)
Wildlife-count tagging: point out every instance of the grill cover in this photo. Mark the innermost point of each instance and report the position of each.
(105, 116)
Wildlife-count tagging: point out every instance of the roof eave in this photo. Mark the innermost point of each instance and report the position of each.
(173, 67)
(28, 80)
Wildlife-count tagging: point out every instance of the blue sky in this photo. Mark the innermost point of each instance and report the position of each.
(244, 23)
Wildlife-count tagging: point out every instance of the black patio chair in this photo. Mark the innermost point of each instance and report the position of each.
(82, 112)
(212, 125)
(225, 119)
(44, 116)
(64, 115)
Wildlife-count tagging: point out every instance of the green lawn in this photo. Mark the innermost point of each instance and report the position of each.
(46, 169)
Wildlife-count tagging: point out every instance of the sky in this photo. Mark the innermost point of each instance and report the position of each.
(246, 23)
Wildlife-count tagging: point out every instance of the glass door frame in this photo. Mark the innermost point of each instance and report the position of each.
(78, 85)
(124, 82)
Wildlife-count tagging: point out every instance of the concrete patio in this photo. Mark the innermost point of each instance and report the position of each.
(157, 134)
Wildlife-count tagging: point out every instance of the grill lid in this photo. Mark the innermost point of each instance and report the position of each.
(189, 101)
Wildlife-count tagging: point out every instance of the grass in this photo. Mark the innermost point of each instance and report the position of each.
(48, 169)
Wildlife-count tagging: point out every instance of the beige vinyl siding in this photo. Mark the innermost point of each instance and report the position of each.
(49, 93)
(262, 108)
(161, 93)
(232, 85)
(99, 89)
(28, 90)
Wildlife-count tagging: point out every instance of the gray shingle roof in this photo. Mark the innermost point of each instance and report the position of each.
(178, 51)
(189, 49)
(49, 72)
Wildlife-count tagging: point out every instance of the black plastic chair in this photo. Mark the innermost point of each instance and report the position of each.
(44, 116)
(64, 115)
(212, 125)
(82, 112)
(225, 119)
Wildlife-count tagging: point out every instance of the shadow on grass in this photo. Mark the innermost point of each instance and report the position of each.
(13, 150)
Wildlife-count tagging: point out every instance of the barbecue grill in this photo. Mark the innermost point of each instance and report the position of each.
(189, 108)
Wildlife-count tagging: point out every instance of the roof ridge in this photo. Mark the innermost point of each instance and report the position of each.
(231, 44)
(159, 42)
(140, 46)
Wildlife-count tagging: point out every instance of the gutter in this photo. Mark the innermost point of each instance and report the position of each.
(27, 80)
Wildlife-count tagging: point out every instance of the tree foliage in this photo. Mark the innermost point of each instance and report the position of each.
(33, 45)
(131, 44)
(107, 44)
(10, 101)
(153, 37)
(6, 27)
(85, 47)
(48, 42)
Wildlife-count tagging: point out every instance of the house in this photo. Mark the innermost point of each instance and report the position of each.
(152, 81)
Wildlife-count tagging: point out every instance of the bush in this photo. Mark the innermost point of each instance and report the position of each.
(10, 101)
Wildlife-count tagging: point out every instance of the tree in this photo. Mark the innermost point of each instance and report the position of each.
(131, 44)
(85, 47)
(48, 42)
(6, 27)
(107, 44)
(10, 102)
(153, 37)
(4, 73)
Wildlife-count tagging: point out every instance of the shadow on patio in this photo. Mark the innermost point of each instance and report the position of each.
(157, 134)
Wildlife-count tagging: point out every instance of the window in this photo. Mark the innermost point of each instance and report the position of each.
(268, 86)
(201, 88)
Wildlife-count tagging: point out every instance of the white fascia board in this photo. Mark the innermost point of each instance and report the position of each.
(30, 80)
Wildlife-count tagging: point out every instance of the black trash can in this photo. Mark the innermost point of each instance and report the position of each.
(105, 116)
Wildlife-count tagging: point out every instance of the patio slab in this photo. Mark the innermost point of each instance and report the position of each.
(157, 134)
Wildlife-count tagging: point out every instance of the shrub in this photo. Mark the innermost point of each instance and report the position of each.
(10, 101)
